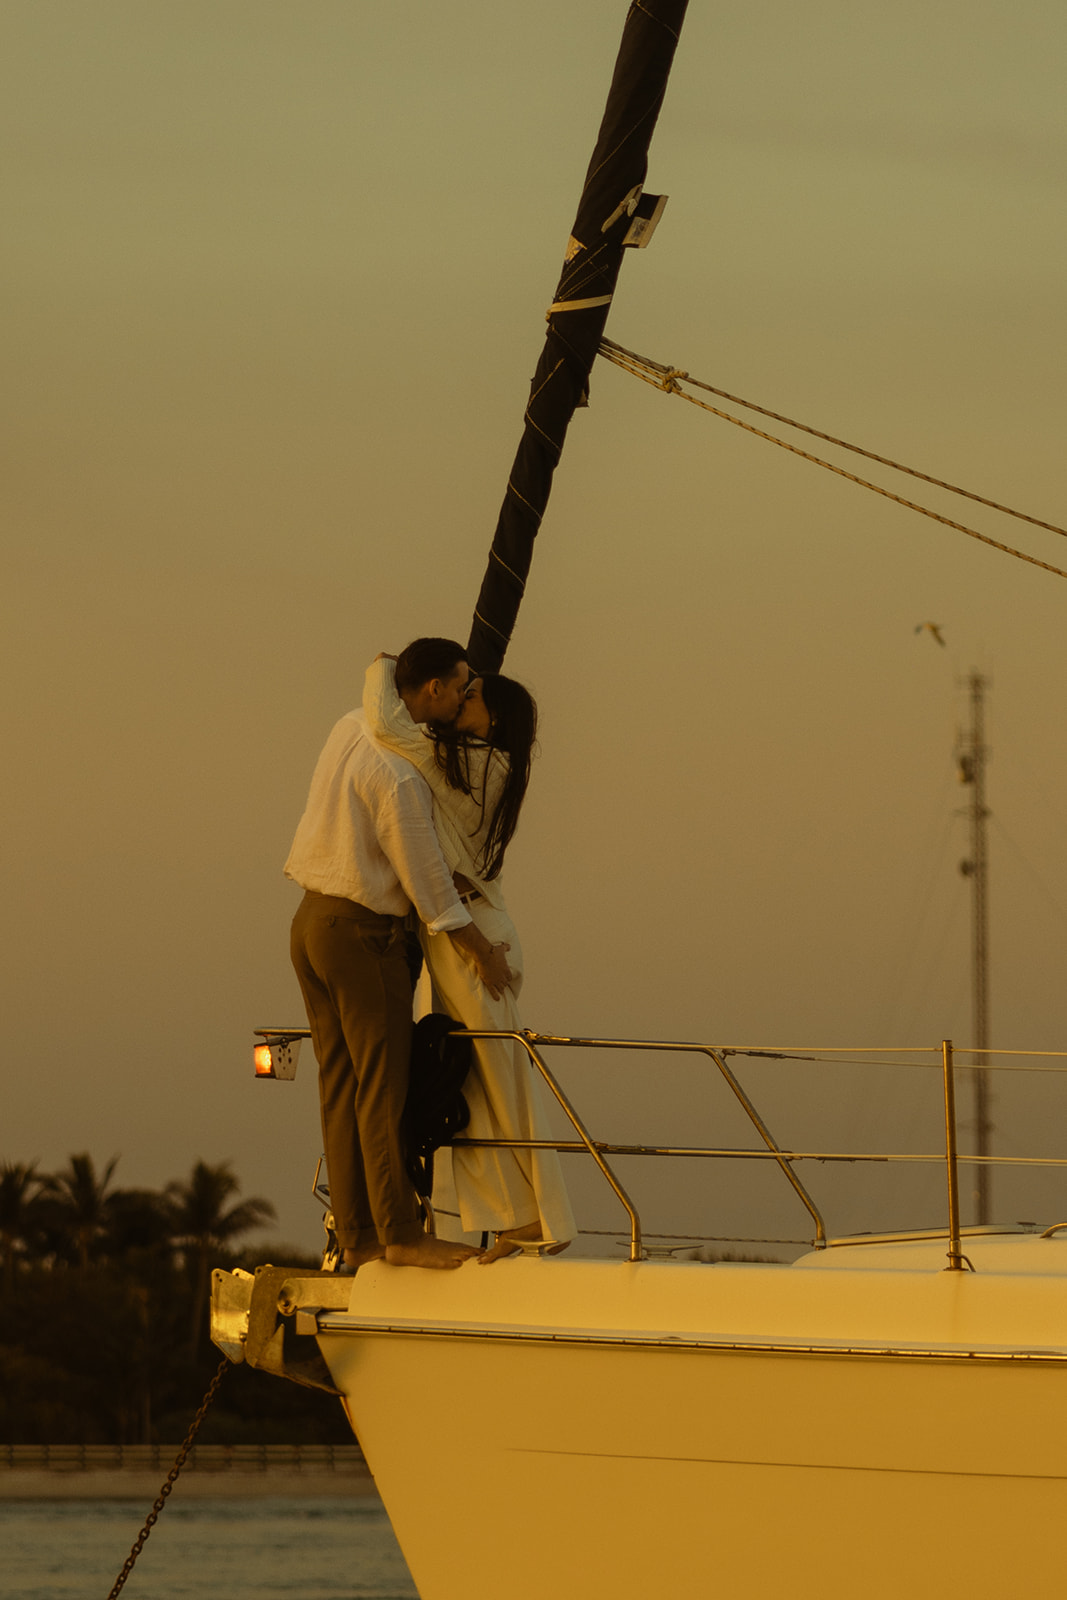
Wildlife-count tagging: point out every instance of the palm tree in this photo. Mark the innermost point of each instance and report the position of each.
(20, 1214)
(202, 1227)
(138, 1227)
(81, 1203)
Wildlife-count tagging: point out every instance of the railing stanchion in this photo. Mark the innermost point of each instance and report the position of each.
(527, 1039)
(955, 1253)
(719, 1058)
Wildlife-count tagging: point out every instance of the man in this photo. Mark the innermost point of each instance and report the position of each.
(365, 852)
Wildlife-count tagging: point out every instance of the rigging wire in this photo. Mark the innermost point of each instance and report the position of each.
(1031, 871)
(909, 951)
(1057, 1059)
(669, 380)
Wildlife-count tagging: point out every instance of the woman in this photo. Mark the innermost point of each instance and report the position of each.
(478, 773)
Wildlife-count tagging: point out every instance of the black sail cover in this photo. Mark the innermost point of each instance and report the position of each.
(579, 312)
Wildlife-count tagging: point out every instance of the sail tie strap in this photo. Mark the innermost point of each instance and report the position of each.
(578, 305)
(669, 380)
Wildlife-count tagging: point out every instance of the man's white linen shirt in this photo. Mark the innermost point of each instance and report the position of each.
(367, 833)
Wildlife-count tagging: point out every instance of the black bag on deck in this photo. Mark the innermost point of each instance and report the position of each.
(435, 1110)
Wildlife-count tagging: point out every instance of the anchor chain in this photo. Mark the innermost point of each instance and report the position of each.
(172, 1478)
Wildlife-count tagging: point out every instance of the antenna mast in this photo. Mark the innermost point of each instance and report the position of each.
(971, 757)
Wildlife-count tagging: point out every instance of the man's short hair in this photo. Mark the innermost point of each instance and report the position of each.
(426, 659)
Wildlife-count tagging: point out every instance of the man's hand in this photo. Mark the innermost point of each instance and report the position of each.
(490, 960)
(493, 969)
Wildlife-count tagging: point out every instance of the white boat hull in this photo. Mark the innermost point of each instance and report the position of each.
(592, 1428)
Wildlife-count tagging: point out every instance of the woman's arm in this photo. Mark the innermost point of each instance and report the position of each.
(388, 718)
(464, 817)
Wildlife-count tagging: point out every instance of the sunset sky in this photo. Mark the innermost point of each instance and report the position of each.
(275, 276)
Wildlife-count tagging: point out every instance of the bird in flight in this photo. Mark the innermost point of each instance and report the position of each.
(931, 627)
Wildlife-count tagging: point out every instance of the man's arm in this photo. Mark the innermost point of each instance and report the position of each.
(406, 834)
(403, 822)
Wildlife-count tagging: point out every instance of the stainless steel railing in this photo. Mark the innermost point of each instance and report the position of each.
(942, 1056)
(601, 1149)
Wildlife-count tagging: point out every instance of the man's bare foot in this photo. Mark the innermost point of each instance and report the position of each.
(360, 1257)
(428, 1252)
(508, 1242)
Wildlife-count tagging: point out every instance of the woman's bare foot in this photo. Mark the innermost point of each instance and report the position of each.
(508, 1242)
(428, 1252)
(360, 1257)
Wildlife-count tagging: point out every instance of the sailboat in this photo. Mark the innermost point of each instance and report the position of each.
(886, 1414)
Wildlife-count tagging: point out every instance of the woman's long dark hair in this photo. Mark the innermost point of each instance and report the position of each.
(513, 730)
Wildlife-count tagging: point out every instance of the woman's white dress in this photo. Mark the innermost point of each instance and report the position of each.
(496, 1189)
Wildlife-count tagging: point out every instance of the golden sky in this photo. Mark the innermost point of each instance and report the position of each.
(274, 278)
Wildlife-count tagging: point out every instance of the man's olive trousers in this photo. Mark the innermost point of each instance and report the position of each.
(356, 982)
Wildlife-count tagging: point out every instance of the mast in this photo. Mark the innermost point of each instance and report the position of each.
(971, 758)
(611, 214)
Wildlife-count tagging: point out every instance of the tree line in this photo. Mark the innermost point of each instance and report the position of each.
(104, 1312)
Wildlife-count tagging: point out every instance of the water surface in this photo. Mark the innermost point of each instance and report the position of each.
(213, 1549)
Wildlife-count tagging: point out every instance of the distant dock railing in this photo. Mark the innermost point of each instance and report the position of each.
(243, 1459)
